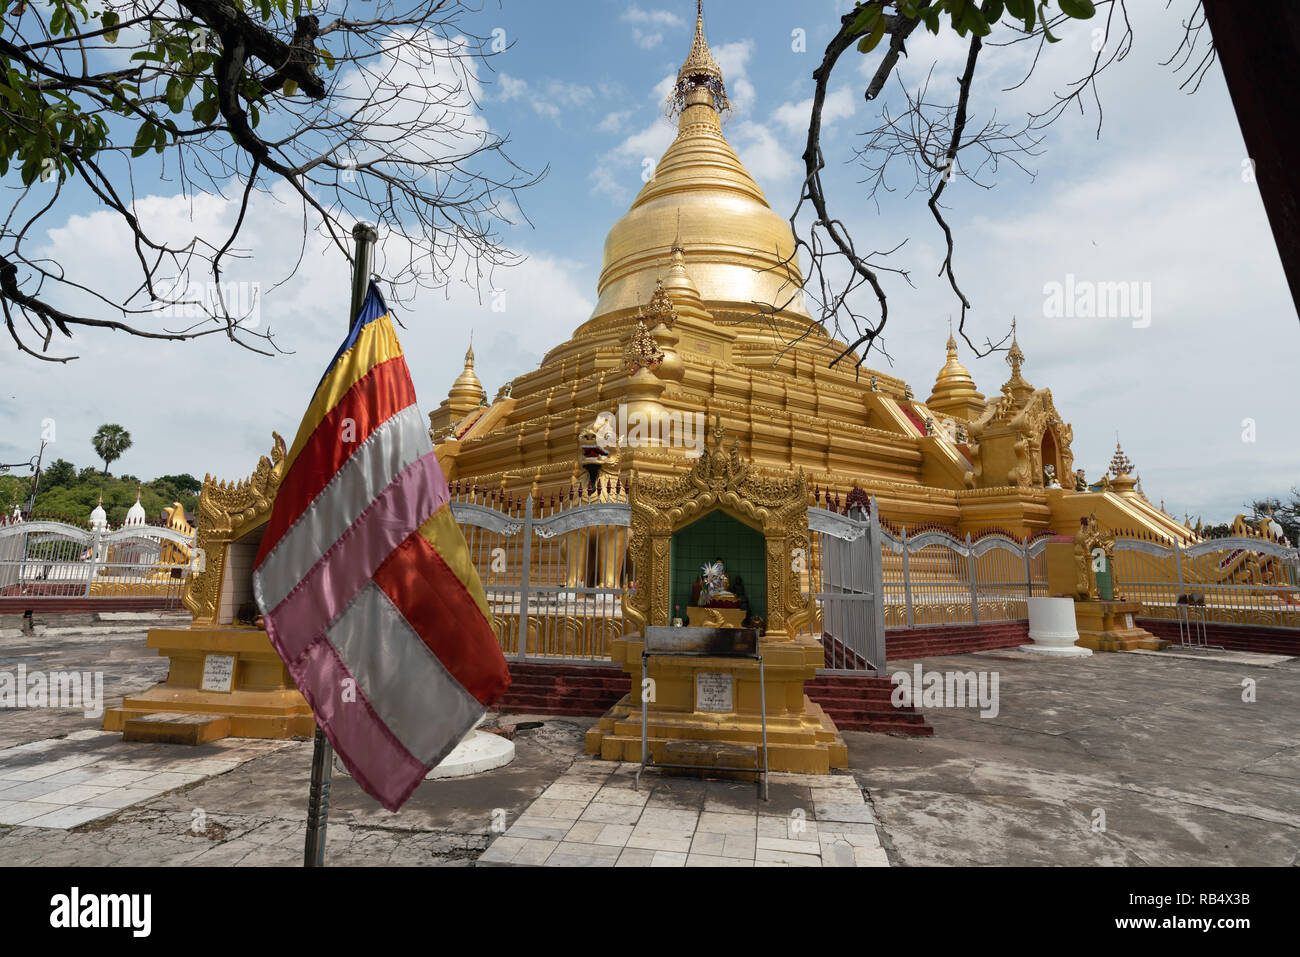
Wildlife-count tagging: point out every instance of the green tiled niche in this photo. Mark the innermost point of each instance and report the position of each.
(718, 535)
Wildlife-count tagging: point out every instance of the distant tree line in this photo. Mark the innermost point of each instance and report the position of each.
(68, 490)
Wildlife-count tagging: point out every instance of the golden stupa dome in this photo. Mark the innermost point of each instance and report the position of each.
(702, 200)
(954, 389)
(467, 390)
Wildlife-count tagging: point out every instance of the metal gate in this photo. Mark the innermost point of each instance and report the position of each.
(45, 563)
(553, 574)
(845, 575)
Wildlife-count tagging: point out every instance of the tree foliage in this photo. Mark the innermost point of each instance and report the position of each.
(356, 109)
(75, 497)
(936, 139)
(110, 441)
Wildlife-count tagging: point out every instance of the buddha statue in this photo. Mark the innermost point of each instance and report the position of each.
(712, 588)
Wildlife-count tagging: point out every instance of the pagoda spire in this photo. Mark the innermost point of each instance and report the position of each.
(1120, 464)
(699, 72)
(1016, 387)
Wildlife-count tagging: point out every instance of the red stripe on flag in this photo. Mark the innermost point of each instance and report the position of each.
(375, 398)
(436, 605)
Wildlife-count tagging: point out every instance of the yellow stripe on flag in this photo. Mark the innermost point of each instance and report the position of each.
(376, 344)
(442, 532)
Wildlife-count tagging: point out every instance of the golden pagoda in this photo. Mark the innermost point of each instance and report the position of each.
(700, 315)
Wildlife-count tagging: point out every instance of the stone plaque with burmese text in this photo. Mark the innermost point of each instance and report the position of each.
(218, 673)
(713, 691)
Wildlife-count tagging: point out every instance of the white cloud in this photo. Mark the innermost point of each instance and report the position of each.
(613, 121)
(549, 98)
(209, 406)
(839, 105)
(654, 21)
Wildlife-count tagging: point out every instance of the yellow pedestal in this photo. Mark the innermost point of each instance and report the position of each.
(801, 737)
(1108, 626)
(262, 702)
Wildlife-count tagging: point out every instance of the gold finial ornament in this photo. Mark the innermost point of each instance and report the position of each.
(954, 391)
(660, 309)
(641, 352)
(699, 72)
(1120, 464)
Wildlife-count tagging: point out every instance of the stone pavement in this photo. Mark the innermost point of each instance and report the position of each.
(1113, 759)
(593, 816)
(88, 775)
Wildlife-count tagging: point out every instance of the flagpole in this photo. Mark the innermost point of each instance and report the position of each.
(322, 757)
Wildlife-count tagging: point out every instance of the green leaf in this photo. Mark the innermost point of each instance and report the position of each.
(1079, 9)
(144, 138)
(872, 39)
(110, 19)
(866, 18)
(290, 87)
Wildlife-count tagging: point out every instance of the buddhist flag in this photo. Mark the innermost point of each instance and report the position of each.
(364, 578)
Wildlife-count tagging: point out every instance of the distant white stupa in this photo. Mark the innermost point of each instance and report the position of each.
(98, 517)
(135, 516)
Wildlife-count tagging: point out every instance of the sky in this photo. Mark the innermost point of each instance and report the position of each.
(1196, 379)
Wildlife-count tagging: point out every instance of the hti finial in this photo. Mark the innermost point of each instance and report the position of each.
(700, 71)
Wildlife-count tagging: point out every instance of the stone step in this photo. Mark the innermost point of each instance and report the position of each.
(174, 727)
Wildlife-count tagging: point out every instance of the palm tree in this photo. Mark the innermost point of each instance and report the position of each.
(110, 442)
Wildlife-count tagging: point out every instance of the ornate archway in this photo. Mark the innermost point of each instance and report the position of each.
(719, 481)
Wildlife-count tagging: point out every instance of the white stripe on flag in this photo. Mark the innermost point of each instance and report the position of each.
(411, 691)
(370, 469)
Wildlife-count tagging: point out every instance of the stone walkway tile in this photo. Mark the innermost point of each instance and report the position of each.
(871, 856)
(585, 832)
(168, 780)
(709, 860)
(716, 822)
(534, 853)
(116, 778)
(575, 860)
(669, 859)
(636, 857)
(29, 772)
(563, 790)
(502, 850)
(539, 832)
(671, 818)
(863, 835)
(72, 794)
(613, 835)
(550, 807)
(66, 817)
(626, 796)
(771, 864)
(71, 776)
(124, 797)
(585, 851)
(611, 813)
(738, 845)
(786, 844)
(15, 812)
(789, 857)
(792, 829)
(659, 840)
(858, 813)
(709, 844)
(534, 818)
(838, 854)
(26, 790)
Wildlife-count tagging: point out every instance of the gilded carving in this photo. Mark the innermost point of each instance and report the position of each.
(226, 512)
(720, 479)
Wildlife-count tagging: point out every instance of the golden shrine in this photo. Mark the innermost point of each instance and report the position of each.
(225, 678)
